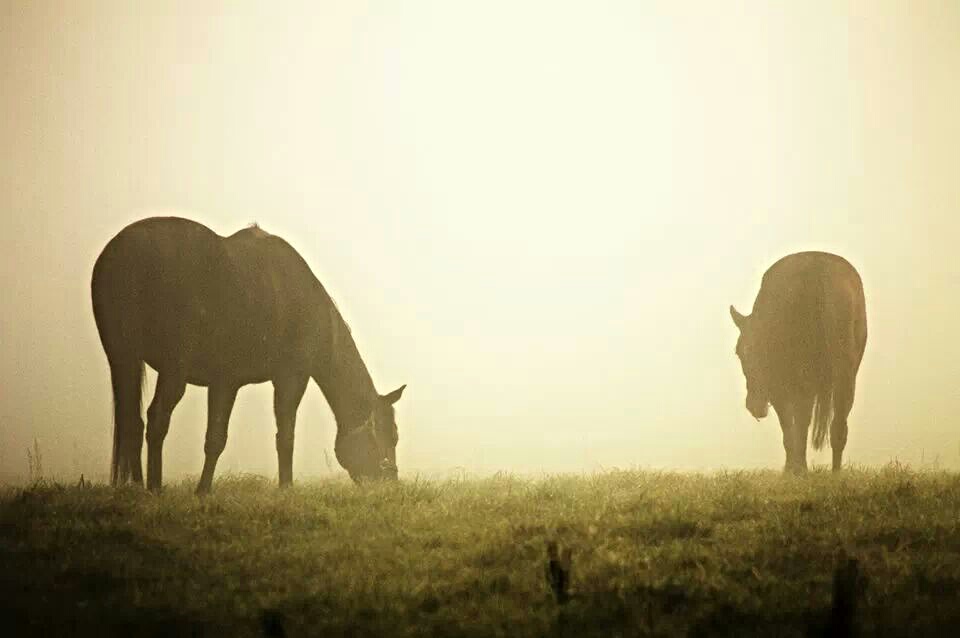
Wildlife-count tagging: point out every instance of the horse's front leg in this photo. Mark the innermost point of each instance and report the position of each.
(287, 393)
(170, 389)
(794, 418)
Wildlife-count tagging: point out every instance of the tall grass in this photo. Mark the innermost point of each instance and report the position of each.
(35, 463)
(653, 553)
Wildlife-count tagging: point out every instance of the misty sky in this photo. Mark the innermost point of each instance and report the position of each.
(533, 215)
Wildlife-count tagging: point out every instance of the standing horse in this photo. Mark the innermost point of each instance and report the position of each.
(224, 312)
(801, 347)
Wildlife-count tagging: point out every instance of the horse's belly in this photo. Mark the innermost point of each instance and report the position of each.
(205, 377)
(209, 361)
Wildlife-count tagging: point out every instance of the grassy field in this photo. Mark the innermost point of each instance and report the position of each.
(734, 553)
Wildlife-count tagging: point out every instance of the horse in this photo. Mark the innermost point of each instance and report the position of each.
(225, 312)
(800, 350)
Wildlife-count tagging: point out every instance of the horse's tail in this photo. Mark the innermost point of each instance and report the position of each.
(824, 360)
(127, 380)
(822, 415)
(115, 296)
(823, 402)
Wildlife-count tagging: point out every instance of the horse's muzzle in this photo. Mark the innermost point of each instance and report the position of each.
(388, 470)
(758, 409)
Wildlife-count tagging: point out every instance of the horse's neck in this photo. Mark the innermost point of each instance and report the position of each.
(343, 377)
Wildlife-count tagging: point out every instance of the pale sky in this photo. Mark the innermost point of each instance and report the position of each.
(535, 214)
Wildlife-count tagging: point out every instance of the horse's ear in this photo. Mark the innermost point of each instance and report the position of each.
(394, 396)
(738, 319)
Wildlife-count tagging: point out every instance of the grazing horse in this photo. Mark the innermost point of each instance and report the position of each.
(800, 350)
(224, 312)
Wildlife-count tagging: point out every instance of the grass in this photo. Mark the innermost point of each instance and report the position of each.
(653, 553)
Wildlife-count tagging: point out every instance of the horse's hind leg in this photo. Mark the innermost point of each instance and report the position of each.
(170, 389)
(842, 404)
(220, 401)
(128, 422)
(801, 413)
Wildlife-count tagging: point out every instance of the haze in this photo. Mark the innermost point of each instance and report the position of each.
(534, 215)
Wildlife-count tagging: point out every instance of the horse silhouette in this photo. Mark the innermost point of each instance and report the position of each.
(801, 347)
(224, 312)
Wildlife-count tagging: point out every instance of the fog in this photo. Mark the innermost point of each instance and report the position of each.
(534, 215)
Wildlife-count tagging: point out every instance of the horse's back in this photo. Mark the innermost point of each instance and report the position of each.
(167, 245)
(153, 283)
(812, 278)
(183, 297)
(160, 258)
(814, 303)
(832, 270)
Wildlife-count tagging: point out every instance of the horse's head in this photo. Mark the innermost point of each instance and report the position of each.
(753, 362)
(370, 451)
